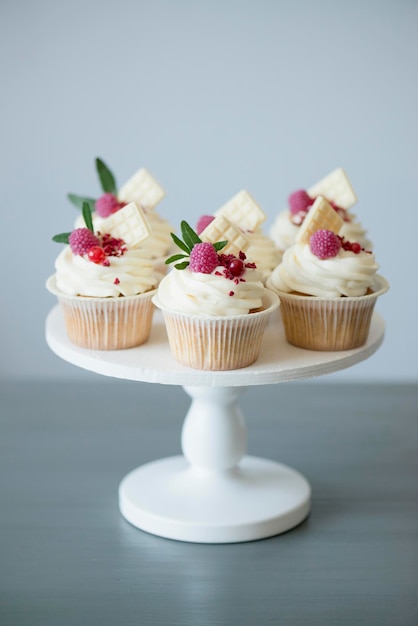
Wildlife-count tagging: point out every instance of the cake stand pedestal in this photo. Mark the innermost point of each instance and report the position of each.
(214, 492)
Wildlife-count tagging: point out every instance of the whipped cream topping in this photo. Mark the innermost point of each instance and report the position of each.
(263, 251)
(211, 294)
(159, 244)
(346, 274)
(127, 275)
(283, 231)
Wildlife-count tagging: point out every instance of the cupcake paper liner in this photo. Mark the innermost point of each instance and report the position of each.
(214, 342)
(329, 324)
(106, 323)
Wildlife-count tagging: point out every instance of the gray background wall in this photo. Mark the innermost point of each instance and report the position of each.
(211, 97)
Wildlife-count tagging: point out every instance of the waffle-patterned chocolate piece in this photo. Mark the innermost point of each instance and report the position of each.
(242, 209)
(335, 188)
(129, 224)
(221, 229)
(321, 215)
(143, 189)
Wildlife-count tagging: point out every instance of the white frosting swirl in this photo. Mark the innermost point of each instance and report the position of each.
(209, 294)
(346, 274)
(263, 251)
(284, 231)
(159, 244)
(78, 276)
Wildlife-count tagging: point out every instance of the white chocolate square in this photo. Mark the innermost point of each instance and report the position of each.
(320, 215)
(335, 188)
(242, 209)
(129, 224)
(221, 229)
(143, 189)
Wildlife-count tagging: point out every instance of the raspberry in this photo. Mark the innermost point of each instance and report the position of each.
(107, 204)
(299, 201)
(203, 221)
(325, 244)
(81, 240)
(203, 258)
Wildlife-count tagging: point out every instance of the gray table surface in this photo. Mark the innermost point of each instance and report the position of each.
(68, 557)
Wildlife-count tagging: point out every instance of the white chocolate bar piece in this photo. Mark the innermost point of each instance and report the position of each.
(221, 229)
(242, 209)
(129, 224)
(143, 189)
(321, 215)
(335, 188)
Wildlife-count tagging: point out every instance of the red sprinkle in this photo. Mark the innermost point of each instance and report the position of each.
(116, 281)
(231, 293)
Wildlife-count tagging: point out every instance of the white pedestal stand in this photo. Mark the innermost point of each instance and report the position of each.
(213, 493)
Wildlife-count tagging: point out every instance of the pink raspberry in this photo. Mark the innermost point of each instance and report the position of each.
(325, 244)
(299, 201)
(81, 240)
(107, 204)
(204, 221)
(203, 258)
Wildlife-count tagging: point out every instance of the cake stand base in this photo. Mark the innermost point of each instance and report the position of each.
(255, 500)
(214, 493)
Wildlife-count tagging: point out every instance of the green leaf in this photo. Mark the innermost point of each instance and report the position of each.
(78, 201)
(175, 257)
(180, 243)
(87, 216)
(61, 238)
(107, 180)
(219, 245)
(182, 266)
(189, 236)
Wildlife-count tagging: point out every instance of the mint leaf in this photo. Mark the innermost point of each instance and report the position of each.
(180, 243)
(107, 180)
(78, 201)
(61, 238)
(175, 257)
(219, 245)
(87, 216)
(182, 266)
(189, 235)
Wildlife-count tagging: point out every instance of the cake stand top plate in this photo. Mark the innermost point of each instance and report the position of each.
(153, 362)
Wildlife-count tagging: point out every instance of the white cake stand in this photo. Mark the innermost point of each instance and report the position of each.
(214, 493)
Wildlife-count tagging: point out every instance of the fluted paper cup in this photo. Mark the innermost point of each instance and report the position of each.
(329, 324)
(106, 323)
(217, 343)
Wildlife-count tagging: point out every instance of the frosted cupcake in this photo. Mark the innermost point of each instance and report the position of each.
(105, 283)
(215, 305)
(327, 286)
(243, 211)
(146, 192)
(337, 189)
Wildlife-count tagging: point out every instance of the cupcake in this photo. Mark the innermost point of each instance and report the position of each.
(105, 283)
(214, 303)
(243, 211)
(337, 189)
(327, 285)
(146, 192)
